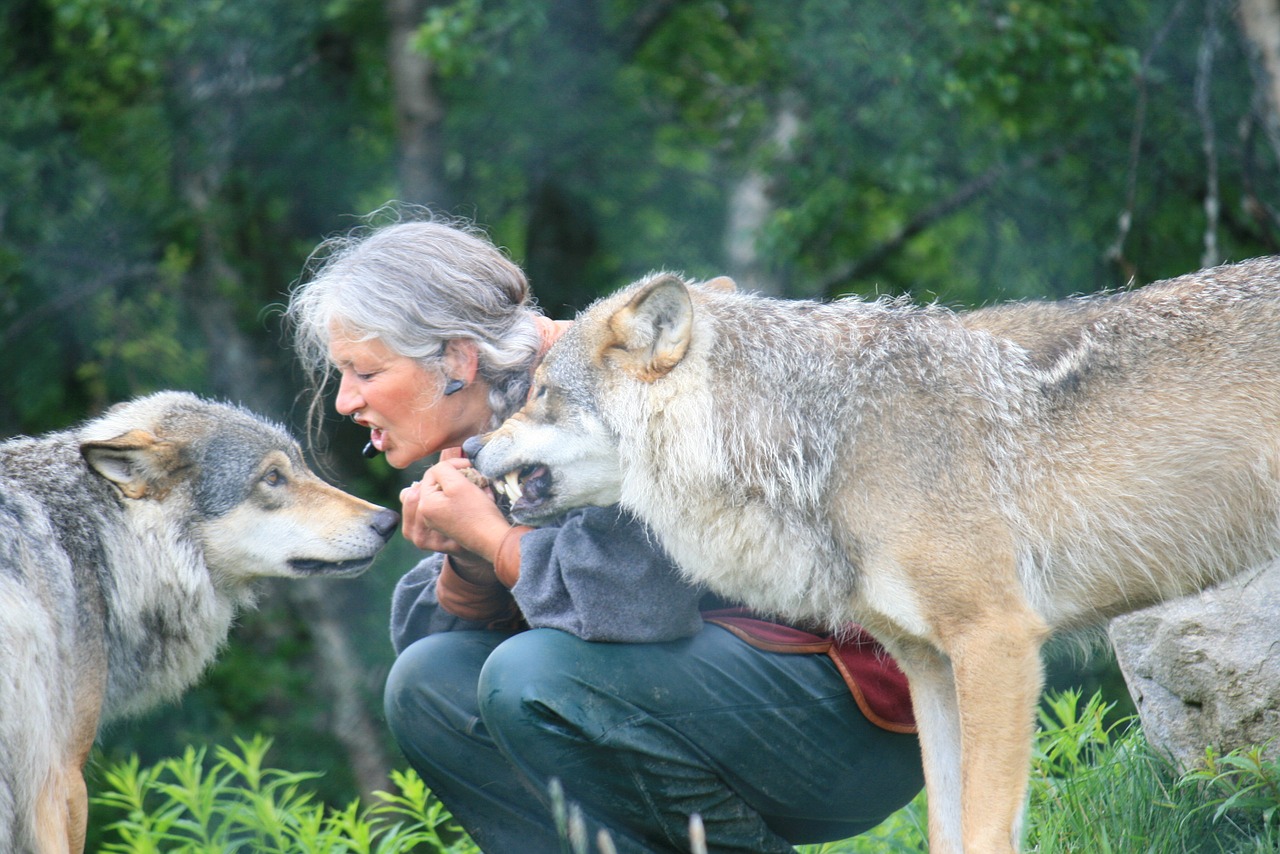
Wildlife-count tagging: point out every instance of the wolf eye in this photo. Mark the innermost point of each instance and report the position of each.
(273, 477)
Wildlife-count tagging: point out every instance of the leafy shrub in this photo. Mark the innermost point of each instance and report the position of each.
(179, 806)
(1095, 787)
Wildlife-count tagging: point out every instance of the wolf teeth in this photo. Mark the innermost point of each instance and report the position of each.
(512, 481)
(508, 486)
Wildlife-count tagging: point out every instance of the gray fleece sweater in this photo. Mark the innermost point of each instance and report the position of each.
(599, 574)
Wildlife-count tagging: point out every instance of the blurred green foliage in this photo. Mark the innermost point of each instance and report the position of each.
(157, 156)
(166, 166)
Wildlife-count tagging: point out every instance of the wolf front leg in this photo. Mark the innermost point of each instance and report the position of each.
(933, 698)
(62, 802)
(996, 665)
(62, 812)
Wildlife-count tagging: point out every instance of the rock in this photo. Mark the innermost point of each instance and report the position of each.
(1205, 670)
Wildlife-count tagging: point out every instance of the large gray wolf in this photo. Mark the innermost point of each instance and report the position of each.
(127, 545)
(961, 484)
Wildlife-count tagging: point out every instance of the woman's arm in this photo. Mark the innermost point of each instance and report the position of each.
(416, 610)
(599, 574)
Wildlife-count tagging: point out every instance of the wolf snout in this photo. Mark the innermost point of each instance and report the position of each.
(475, 448)
(385, 522)
(472, 447)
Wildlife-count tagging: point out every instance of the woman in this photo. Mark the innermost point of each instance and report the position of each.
(574, 652)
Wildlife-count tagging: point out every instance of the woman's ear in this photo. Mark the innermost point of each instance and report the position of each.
(461, 360)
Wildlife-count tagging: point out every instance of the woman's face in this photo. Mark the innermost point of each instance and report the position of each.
(400, 401)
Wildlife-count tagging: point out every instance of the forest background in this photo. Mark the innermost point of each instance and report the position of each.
(167, 166)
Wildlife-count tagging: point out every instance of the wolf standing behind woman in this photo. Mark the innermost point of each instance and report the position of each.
(575, 651)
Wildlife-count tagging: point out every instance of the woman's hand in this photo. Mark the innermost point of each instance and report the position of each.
(446, 512)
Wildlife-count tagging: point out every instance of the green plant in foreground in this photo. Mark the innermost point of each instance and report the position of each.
(1095, 787)
(237, 805)
(1100, 788)
(1242, 783)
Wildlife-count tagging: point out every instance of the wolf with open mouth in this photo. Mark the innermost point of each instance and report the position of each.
(541, 476)
(960, 484)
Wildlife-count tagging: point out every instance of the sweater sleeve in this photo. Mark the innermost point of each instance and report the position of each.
(471, 601)
(602, 576)
(599, 575)
(415, 610)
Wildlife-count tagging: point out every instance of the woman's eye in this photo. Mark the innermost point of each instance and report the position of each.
(362, 376)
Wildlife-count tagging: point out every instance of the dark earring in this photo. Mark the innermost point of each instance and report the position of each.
(453, 387)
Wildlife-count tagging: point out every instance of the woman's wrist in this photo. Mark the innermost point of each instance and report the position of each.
(473, 571)
(479, 602)
(485, 538)
(506, 564)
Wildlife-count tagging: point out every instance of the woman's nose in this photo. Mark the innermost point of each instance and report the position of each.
(347, 400)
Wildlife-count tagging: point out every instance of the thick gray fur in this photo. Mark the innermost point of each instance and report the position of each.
(126, 549)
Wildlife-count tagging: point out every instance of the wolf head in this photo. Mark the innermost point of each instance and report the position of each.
(562, 450)
(237, 483)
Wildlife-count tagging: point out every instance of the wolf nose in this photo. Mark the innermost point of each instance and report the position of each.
(472, 446)
(385, 523)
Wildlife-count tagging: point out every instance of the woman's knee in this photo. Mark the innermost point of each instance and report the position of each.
(433, 682)
(407, 679)
(532, 681)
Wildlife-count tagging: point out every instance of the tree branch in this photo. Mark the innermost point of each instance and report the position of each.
(75, 296)
(642, 26)
(961, 198)
(1264, 216)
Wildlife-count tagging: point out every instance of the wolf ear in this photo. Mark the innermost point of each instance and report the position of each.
(721, 284)
(136, 462)
(650, 334)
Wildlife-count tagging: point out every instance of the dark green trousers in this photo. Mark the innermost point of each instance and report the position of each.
(770, 750)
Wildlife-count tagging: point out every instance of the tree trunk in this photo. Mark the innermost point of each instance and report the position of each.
(418, 110)
(749, 208)
(1260, 23)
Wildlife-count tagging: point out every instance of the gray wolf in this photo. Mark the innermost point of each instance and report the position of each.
(961, 484)
(127, 545)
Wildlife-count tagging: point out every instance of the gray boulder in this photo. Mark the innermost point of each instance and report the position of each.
(1205, 670)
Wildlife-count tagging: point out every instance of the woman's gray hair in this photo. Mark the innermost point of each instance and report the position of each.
(415, 284)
